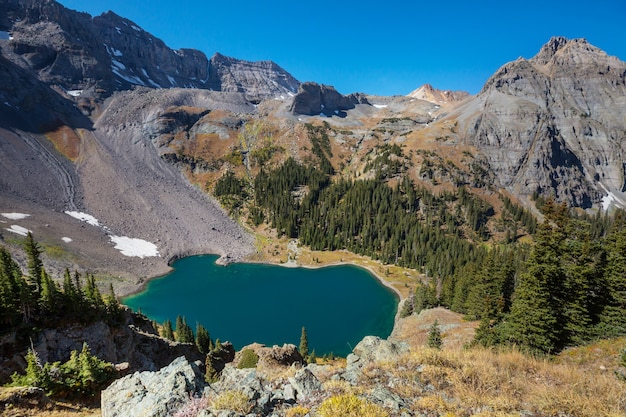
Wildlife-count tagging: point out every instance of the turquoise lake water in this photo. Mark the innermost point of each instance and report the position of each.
(269, 304)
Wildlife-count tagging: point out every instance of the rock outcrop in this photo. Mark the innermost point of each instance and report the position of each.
(318, 99)
(177, 386)
(134, 343)
(257, 80)
(553, 123)
(153, 394)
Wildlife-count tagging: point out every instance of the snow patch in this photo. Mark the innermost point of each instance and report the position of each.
(19, 230)
(118, 30)
(66, 239)
(84, 217)
(172, 80)
(380, 106)
(116, 52)
(609, 199)
(15, 216)
(134, 247)
(118, 64)
(133, 80)
(75, 93)
(138, 29)
(145, 73)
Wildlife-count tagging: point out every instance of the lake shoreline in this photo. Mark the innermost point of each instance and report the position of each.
(275, 297)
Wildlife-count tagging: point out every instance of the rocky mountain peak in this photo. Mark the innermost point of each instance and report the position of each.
(428, 93)
(258, 80)
(554, 123)
(94, 57)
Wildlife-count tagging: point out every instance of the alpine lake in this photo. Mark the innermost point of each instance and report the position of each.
(245, 303)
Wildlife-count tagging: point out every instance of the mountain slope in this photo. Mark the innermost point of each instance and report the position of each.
(553, 124)
(93, 57)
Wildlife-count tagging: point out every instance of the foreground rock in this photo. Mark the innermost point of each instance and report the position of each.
(270, 389)
(152, 394)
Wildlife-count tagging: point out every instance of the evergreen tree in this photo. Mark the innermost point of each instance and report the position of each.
(166, 331)
(304, 343)
(49, 292)
(536, 322)
(613, 314)
(203, 340)
(434, 336)
(184, 333)
(425, 297)
(112, 305)
(92, 293)
(34, 263)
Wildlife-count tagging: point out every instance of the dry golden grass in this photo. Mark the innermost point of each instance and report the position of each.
(504, 382)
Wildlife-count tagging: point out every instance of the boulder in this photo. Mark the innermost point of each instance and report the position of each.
(371, 349)
(153, 394)
(305, 384)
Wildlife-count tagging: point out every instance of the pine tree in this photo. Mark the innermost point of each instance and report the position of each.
(184, 334)
(613, 314)
(49, 292)
(434, 336)
(112, 305)
(203, 340)
(304, 343)
(536, 322)
(92, 293)
(34, 263)
(166, 330)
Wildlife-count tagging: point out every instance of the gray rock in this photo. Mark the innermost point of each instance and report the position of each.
(553, 123)
(314, 99)
(153, 394)
(371, 349)
(305, 384)
(375, 349)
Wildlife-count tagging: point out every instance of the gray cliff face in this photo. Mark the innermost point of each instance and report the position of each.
(257, 80)
(314, 99)
(93, 57)
(554, 123)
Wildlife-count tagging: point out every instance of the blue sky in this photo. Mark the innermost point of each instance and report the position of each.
(384, 48)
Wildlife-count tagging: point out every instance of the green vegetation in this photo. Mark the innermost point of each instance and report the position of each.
(249, 359)
(184, 333)
(434, 336)
(36, 300)
(83, 375)
(304, 343)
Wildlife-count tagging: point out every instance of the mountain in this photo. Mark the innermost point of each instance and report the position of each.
(100, 117)
(428, 93)
(89, 57)
(553, 124)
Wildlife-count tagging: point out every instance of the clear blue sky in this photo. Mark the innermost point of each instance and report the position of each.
(383, 47)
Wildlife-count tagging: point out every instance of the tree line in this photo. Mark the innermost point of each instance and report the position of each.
(35, 298)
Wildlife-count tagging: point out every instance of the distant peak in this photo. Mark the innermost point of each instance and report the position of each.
(428, 93)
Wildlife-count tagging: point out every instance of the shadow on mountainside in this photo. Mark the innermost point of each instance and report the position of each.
(31, 106)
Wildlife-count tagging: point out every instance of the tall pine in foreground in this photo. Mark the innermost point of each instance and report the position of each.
(535, 322)
(613, 315)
